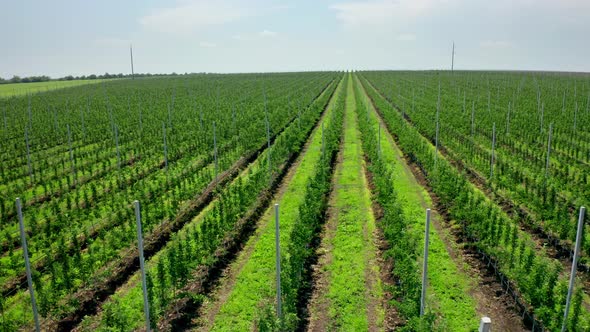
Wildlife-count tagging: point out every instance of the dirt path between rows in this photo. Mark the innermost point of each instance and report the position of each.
(319, 305)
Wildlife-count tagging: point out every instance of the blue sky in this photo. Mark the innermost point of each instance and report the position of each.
(62, 37)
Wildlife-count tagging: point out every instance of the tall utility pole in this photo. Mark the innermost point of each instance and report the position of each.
(131, 52)
(453, 58)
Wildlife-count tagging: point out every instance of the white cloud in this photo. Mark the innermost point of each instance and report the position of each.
(495, 44)
(267, 33)
(205, 44)
(406, 37)
(192, 15)
(382, 11)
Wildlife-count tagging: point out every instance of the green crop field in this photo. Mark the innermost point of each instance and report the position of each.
(353, 160)
(18, 89)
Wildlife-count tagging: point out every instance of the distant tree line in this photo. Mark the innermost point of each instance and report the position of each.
(44, 78)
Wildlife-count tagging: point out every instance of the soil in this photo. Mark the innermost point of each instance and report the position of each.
(318, 305)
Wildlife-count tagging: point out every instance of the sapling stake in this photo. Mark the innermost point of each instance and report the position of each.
(575, 116)
(508, 120)
(30, 165)
(472, 118)
(215, 149)
(146, 304)
(379, 141)
(83, 124)
(30, 114)
(548, 149)
(437, 124)
(563, 103)
(493, 151)
(278, 262)
(117, 143)
(169, 117)
(425, 264)
(23, 238)
(267, 137)
(201, 116)
(489, 100)
(464, 97)
(72, 155)
(5, 119)
(542, 114)
(323, 142)
(165, 146)
(574, 267)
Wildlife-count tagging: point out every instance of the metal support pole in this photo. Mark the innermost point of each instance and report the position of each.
(464, 97)
(27, 262)
(72, 155)
(493, 151)
(575, 116)
(508, 120)
(563, 103)
(278, 261)
(574, 267)
(489, 100)
(29, 155)
(548, 149)
(436, 151)
(542, 114)
(165, 146)
(268, 149)
(437, 121)
(485, 324)
(323, 141)
(379, 141)
(169, 116)
(201, 116)
(140, 121)
(146, 304)
(425, 264)
(54, 119)
(215, 149)
(83, 124)
(132, 72)
(413, 99)
(5, 119)
(117, 143)
(472, 118)
(538, 100)
(30, 114)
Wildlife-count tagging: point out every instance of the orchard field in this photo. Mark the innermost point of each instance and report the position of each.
(353, 161)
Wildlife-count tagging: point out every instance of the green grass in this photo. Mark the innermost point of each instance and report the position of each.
(448, 291)
(255, 282)
(18, 89)
(352, 242)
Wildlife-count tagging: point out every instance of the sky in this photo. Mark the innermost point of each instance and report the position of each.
(63, 37)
